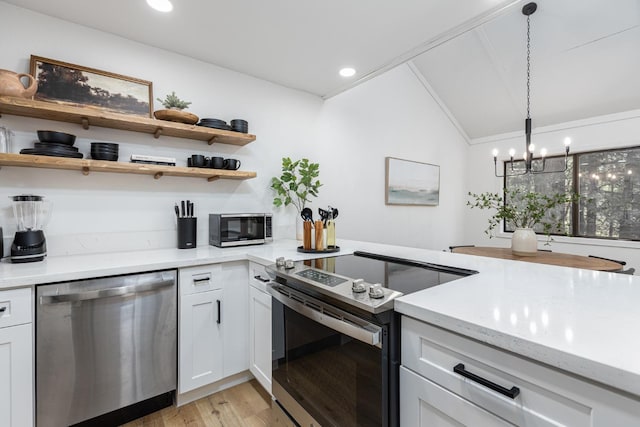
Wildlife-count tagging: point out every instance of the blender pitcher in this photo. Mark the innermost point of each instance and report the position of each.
(31, 213)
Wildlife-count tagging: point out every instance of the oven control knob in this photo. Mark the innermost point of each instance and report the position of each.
(358, 286)
(376, 291)
(288, 264)
(280, 261)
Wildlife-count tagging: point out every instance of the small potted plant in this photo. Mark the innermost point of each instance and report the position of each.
(525, 210)
(298, 182)
(173, 110)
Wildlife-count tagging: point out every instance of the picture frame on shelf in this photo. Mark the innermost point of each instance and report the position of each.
(411, 183)
(70, 84)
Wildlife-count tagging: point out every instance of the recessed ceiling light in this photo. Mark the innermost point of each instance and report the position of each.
(161, 5)
(347, 72)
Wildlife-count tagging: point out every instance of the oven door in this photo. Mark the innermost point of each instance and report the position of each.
(329, 367)
(242, 229)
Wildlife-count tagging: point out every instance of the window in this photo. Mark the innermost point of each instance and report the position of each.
(609, 186)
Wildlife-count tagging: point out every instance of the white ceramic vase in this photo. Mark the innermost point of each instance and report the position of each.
(299, 228)
(524, 242)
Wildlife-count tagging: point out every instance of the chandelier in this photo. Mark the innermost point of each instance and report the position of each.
(528, 10)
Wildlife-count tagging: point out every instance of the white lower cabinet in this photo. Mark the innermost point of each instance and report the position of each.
(260, 337)
(448, 379)
(213, 340)
(200, 354)
(16, 358)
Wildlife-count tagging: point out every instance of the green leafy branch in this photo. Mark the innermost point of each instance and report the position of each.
(525, 209)
(297, 183)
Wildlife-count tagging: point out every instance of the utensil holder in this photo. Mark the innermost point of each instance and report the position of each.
(187, 233)
(319, 236)
(306, 237)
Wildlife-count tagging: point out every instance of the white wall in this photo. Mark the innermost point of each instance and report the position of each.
(391, 115)
(348, 135)
(614, 131)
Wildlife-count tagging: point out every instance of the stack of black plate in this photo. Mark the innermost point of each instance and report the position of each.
(214, 123)
(239, 125)
(55, 144)
(104, 151)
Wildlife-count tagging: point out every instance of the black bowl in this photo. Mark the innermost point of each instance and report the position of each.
(110, 145)
(110, 150)
(104, 156)
(53, 136)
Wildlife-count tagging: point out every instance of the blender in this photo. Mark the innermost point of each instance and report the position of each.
(31, 213)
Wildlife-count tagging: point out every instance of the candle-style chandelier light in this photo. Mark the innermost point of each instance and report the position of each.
(528, 154)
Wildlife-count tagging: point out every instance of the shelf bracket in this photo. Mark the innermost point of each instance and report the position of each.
(158, 175)
(85, 170)
(157, 133)
(85, 123)
(213, 178)
(212, 140)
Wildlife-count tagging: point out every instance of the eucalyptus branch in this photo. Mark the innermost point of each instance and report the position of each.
(297, 183)
(523, 209)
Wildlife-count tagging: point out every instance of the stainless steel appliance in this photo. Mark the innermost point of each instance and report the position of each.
(336, 337)
(240, 229)
(105, 349)
(31, 213)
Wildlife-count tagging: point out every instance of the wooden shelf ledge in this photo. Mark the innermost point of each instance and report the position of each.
(87, 116)
(87, 166)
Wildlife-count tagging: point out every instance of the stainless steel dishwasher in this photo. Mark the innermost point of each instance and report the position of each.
(105, 349)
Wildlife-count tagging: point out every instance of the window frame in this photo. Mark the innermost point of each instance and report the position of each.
(574, 226)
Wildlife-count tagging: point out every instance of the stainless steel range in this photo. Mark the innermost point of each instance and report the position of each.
(336, 336)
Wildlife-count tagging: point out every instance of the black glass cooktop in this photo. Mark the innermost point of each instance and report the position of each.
(394, 273)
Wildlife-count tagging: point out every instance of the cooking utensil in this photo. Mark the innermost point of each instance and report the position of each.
(324, 215)
(334, 213)
(177, 209)
(184, 212)
(307, 214)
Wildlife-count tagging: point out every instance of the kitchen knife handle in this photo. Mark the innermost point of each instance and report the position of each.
(184, 212)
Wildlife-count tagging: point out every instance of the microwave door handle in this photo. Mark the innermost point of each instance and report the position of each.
(120, 291)
(332, 318)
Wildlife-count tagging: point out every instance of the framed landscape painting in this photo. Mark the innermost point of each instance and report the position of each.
(75, 85)
(411, 183)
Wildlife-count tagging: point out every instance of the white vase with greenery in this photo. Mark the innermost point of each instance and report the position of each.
(525, 210)
(298, 182)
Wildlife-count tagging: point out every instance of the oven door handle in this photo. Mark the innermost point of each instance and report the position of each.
(329, 316)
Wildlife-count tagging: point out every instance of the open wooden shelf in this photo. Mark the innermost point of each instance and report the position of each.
(87, 116)
(87, 166)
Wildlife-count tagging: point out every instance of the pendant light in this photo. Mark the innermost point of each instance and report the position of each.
(528, 10)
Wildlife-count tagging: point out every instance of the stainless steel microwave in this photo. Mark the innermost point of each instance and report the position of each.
(240, 229)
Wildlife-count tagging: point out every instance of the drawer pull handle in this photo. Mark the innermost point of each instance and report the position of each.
(219, 314)
(263, 280)
(511, 393)
(3, 309)
(201, 281)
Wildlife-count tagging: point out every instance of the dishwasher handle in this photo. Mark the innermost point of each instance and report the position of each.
(120, 291)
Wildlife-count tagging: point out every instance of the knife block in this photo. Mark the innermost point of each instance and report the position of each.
(187, 233)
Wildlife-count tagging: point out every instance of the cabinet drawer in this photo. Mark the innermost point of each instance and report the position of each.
(15, 307)
(193, 280)
(425, 404)
(547, 396)
(258, 276)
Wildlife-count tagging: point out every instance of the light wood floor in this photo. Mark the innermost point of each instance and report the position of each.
(245, 405)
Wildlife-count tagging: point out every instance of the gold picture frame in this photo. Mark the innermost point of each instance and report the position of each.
(70, 84)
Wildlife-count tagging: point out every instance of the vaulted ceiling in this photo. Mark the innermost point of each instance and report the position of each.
(471, 53)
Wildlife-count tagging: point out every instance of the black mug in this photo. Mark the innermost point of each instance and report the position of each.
(217, 163)
(232, 164)
(198, 161)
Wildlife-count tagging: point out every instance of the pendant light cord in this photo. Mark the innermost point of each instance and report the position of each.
(528, 66)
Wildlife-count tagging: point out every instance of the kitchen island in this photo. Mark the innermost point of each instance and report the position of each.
(576, 321)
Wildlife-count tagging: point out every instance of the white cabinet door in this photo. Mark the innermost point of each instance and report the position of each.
(260, 336)
(426, 404)
(200, 340)
(16, 376)
(235, 317)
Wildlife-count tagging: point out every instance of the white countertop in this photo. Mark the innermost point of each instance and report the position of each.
(580, 321)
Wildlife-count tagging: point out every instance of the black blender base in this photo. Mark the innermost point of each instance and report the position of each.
(28, 246)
